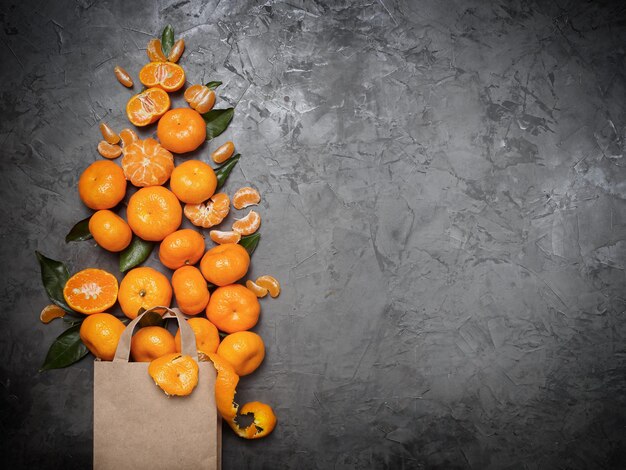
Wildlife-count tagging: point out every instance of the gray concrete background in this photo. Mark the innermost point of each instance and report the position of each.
(443, 189)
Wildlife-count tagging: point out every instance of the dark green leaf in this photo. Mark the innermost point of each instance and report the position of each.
(136, 253)
(72, 321)
(222, 172)
(151, 319)
(54, 275)
(167, 40)
(79, 232)
(217, 120)
(213, 85)
(250, 242)
(66, 350)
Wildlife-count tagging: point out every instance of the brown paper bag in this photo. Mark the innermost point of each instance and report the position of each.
(137, 426)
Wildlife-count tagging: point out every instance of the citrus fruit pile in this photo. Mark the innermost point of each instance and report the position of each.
(162, 188)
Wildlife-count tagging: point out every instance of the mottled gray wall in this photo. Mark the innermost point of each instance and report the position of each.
(443, 190)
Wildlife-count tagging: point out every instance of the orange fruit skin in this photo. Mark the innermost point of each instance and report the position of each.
(263, 424)
(145, 288)
(110, 231)
(153, 213)
(102, 185)
(193, 182)
(181, 130)
(100, 333)
(175, 373)
(91, 291)
(244, 350)
(148, 106)
(181, 248)
(207, 336)
(151, 342)
(190, 290)
(147, 163)
(225, 264)
(233, 308)
(165, 75)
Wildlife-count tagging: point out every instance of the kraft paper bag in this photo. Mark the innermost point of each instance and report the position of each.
(137, 426)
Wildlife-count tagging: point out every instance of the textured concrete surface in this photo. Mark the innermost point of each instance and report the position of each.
(443, 190)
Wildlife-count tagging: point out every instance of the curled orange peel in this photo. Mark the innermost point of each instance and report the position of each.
(264, 420)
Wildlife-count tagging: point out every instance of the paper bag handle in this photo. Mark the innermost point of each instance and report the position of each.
(187, 336)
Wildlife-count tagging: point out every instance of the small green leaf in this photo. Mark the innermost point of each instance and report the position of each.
(250, 242)
(167, 40)
(222, 172)
(79, 232)
(66, 350)
(136, 253)
(213, 85)
(54, 275)
(151, 319)
(217, 120)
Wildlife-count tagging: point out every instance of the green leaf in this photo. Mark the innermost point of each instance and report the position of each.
(213, 85)
(66, 350)
(136, 253)
(222, 172)
(217, 120)
(54, 275)
(72, 321)
(250, 242)
(167, 40)
(79, 232)
(151, 319)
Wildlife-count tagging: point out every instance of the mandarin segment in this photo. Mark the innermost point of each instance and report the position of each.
(225, 264)
(190, 290)
(181, 248)
(123, 77)
(245, 197)
(108, 150)
(110, 231)
(176, 374)
(151, 342)
(91, 291)
(193, 182)
(153, 213)
(128, 136)
(244, 350)
(102, 185)
(207, 336)
(212, 213)
(148, 106)
(200, 97)
(223, 152)
(101, 333)
(155, 51)
(108, 134)
(177, 50)
(147, 163)
(166, 75)
(249, 224)
(256, 289)
(181, 130)
(270, 283)
(50, 312)
(221, 237)
(233, 308)
(144, 288)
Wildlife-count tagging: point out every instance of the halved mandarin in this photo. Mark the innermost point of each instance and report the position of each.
(209, 214)
(220, 237)
(166, 75)
(91, 291)
(148, 106)
(245, 197)
(248, 224)
(270, 283)
(200, 97)
(256, 289)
